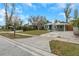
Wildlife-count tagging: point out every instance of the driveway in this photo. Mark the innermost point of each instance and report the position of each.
(37, 42)
(64, 35)
(42, 41)
(8, 48)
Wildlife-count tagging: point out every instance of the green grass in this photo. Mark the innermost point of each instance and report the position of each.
(11, 35)
(64, 48)
(35, 32)
(1, 30)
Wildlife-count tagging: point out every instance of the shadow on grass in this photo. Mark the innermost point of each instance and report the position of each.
(11, 35)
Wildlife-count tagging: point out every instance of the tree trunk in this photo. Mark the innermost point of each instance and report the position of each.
(14, 30)
(66, 20)
(38, 28)
(14, 33)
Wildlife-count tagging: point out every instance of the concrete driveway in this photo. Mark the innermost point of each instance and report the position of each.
(42, 41)
(7, 48)
(37, 42)
(63, 34)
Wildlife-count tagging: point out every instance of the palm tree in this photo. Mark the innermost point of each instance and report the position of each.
(67, 12)
(75, 13)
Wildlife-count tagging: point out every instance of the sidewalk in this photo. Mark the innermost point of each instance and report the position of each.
(25, 34)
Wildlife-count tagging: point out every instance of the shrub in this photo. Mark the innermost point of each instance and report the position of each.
(75, 23)
(27, 28)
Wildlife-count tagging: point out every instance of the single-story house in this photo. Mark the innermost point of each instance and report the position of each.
(59, 26)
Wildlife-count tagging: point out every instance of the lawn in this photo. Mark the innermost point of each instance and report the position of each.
(64, 48)
(35, 32)
(11, 35)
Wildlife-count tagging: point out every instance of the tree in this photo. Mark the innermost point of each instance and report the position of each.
(16, 20)
(6, 14)
(75, 13)
(56, 21)
(21, 23)
(9, 12)
(38, 21)
(75, 22)
(67, 12)
(15, 23)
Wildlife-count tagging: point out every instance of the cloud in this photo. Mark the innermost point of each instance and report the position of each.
(61, 5)
(29, 4)
(58, 6)
(27, 16)
(52, 8)
(19, 11)
(44, 5)
(2, 21)
(74, 6)
(24, 18)
(34, 7)
(62, 14)
(2, 12)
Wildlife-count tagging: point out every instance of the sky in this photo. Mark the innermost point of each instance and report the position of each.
(52, 11)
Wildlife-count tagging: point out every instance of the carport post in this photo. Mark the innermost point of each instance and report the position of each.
(64, 28)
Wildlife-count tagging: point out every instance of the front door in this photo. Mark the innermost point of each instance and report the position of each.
(50, 27)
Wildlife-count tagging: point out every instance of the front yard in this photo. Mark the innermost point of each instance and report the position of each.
(11, 35)
(27, 34)
(35, 32)
(64, 48)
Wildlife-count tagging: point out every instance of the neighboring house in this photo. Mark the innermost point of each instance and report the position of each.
(59, 26)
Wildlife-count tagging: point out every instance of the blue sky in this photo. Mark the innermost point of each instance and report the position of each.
(52, 11)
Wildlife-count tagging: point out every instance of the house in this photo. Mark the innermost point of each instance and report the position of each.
(59, 26)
